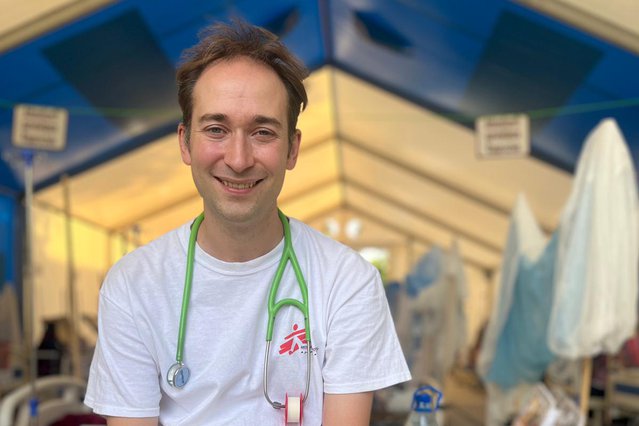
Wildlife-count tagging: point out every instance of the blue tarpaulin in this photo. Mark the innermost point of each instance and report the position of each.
(7, 240)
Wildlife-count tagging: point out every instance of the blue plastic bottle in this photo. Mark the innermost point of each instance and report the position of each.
(424, 408)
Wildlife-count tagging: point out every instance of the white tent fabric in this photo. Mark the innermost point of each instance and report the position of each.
(595, 298)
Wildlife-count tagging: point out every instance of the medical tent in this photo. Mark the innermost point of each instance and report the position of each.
(389, 147)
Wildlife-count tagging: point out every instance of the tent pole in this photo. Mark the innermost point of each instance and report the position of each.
(586, 381)
(72, 313)
(31, 351)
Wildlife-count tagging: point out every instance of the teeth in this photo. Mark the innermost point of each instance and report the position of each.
(238, 185)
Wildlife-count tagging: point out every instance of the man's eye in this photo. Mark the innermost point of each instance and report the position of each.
(214, 130)
(264, 132)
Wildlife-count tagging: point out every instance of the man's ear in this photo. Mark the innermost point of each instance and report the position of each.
(185, 148)
(294, 149)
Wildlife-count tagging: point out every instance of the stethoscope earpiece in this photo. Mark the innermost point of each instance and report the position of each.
(178, 375)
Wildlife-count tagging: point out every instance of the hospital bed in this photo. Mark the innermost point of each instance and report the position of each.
(58, 396)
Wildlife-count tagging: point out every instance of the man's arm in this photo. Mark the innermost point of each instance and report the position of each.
(353, 409)
(128, 421)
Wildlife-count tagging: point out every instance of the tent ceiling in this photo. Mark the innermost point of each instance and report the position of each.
(387, 137)
(389, 169)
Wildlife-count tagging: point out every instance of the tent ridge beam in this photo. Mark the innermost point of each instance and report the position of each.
(501, 210)
(123, 226)
(48, 206)
(325, 183)
(322, 213)
(47, 21)
(447, 226)
(427, 176)
(413, 237)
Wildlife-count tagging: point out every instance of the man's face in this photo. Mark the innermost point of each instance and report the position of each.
(238, 150)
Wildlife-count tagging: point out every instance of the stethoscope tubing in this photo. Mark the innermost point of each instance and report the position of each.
(288, 255)
(273, 307)
(186, 293)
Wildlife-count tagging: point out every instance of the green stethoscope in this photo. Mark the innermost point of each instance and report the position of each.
(179, 374)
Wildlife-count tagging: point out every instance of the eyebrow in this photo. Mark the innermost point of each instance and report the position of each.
(258, 119)
(213, 117)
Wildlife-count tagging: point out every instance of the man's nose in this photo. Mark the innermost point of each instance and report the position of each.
(239, 153)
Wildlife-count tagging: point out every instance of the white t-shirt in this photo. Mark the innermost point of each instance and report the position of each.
(353, 340)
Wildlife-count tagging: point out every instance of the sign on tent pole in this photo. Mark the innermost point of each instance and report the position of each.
(39, 127)
(502, 136)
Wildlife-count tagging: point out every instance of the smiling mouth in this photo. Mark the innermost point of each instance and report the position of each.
(234, 185)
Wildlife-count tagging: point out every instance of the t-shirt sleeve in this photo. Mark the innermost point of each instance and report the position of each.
(362, 350)
(123, 378)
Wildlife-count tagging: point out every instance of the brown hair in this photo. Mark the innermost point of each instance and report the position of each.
(227, 41)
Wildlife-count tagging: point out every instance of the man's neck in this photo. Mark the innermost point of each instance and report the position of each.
(232, 242)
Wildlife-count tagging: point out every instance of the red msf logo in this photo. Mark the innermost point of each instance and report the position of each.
(294, 341)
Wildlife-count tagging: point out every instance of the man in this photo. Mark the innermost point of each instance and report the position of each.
(241, 92)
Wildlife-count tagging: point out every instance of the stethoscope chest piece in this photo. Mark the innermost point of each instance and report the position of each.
(178, 375)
